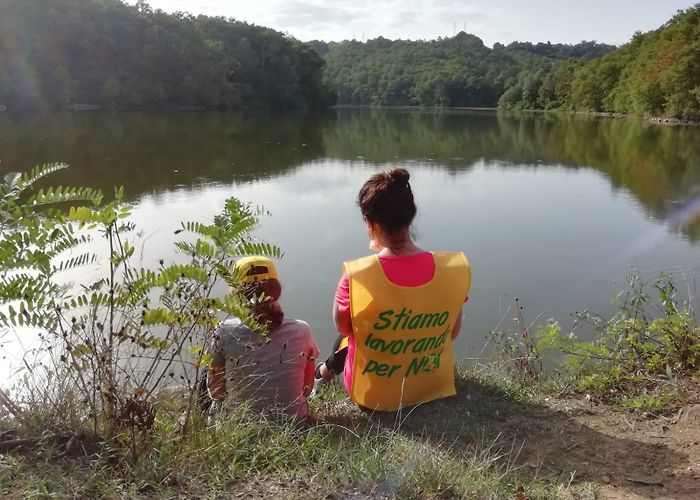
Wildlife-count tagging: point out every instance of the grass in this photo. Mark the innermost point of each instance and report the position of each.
(440, 450)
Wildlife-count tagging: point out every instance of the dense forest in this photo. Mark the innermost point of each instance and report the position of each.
(73, 54)
(657, 73)
(60, 54)
(457, 71)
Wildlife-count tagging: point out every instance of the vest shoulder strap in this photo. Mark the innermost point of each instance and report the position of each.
(455, 265)
(453, 261)
(358, 266)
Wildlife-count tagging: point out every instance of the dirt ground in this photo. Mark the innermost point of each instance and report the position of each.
(604, 452)
(628, 455)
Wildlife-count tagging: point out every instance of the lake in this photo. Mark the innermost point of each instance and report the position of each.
(550, 208)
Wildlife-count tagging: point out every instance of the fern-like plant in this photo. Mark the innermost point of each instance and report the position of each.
(120, 340)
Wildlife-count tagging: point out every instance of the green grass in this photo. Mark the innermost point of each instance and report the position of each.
(439, 450)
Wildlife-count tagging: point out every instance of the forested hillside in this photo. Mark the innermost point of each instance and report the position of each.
(63, 53)
(657, 73)
(457, 71)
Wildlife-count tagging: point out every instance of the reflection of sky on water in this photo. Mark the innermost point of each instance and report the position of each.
(557, 238)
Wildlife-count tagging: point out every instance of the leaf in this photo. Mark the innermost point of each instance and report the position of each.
(28, 179)
(81, 350)
(159, 316)
(195, 349)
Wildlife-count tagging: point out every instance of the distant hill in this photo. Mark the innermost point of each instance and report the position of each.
(57, 54)
(455, 71)
(656, 74)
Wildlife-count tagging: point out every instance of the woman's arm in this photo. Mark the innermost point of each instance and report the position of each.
(341, 306)
(458, 325)
(343, 322)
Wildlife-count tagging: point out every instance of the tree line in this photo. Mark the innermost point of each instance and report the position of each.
(62, 54)
(448, 72)
(67, 54)
(657, 73)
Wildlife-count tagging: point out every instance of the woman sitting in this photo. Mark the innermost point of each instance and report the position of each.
(399, 310)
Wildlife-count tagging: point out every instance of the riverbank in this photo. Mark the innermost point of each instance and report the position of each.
(498, 438)
(87, 108)
(660, 120)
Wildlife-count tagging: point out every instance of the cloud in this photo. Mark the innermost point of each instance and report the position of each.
(307, 15)
(404, 18)
(490, 20)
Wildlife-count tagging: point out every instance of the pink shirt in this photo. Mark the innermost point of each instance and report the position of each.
(402, 270)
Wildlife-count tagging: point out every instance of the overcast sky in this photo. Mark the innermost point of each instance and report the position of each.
(566, 21)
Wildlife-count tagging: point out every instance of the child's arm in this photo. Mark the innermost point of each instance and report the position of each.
(216, 381)
(216, 375)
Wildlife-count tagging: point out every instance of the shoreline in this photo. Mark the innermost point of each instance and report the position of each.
(659, 120)
(82, 108)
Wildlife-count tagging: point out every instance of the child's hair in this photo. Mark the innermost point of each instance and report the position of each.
(386, 199)
(263, 296)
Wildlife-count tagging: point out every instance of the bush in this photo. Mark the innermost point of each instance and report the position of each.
(635, 358)
(108, 347)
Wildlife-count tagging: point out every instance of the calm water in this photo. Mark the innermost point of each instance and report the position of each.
(552, 209)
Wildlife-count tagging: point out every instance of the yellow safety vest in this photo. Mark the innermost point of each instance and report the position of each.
(403, 343)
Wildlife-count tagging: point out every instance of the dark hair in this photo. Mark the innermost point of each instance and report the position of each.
(387, 199)
(263, 306)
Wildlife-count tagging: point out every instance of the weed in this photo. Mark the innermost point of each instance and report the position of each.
(636, 359)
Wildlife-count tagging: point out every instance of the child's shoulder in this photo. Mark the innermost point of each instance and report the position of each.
(292, 323)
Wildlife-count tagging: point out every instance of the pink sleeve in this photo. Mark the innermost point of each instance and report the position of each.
(342, 294)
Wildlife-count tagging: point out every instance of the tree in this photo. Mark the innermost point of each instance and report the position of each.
(114, 54)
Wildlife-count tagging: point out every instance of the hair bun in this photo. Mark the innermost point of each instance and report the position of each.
(399, 176)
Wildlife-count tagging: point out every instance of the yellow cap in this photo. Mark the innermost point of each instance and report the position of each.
(255, 268)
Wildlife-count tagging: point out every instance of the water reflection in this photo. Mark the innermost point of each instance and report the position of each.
(658, 164)
(151, 152)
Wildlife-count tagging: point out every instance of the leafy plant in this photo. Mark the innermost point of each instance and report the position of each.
(116, 342)
(635, 358)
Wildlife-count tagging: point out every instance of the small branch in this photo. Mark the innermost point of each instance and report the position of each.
(16, 444)
(10, 405)
(645, 481)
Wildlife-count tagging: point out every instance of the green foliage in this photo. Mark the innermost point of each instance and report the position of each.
(635, 358)
(114, 55)
(656, 74)
(457, 71)
(119, 340)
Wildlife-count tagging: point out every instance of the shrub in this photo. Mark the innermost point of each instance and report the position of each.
(108, 347)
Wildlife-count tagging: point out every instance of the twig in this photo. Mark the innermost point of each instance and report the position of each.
(15, 444)
(9, 404)
(646, 482)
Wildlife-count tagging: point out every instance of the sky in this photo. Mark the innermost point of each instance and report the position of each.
(504, 21)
